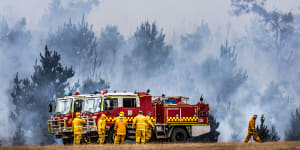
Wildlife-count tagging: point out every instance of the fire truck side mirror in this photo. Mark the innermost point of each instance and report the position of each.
(50, 108)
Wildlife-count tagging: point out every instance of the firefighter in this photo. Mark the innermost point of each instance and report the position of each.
(149, 127)
(119, 115)
(140, 122)
(252, 131)
(120, 128)
(101, 128)
(116, 119)
(77, 128)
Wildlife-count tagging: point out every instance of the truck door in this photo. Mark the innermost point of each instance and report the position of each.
(129, 108)
(78, 106)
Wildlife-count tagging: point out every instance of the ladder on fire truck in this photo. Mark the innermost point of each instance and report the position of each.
(160, 131)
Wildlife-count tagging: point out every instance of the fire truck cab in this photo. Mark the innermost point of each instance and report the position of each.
(110, 104)
(61, 119)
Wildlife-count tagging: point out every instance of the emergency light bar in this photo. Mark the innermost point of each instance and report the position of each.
(103, 91)
(76, 93)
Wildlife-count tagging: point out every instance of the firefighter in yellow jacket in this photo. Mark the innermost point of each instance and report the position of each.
(101, 128)
(149, 127)
(120, 128)
(77, 128)
(140, 122)
(252, 131)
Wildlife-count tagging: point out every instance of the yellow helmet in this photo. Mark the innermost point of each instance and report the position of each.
(103, 116)
(121, 114)
(77, 115)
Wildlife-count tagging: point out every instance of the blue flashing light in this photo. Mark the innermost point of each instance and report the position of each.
(169, 101)
(69, 94)
(96, 92)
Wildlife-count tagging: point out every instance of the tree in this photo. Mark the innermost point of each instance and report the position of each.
(16, 35)
(292, 132)
(90, 85)
(77, 44)
(214, 125)
(18, 138)
(197, 40)
(265, 133)
(280, 26)
(20, 95)
(59, 11)
(150, 54)
(222, 73)
(273, 134)
(51, 76)
(110, 42)
(75, 87)
(262, 130)
(48, 81)
(16, 93)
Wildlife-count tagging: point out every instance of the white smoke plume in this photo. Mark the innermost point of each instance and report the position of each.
(245, 80)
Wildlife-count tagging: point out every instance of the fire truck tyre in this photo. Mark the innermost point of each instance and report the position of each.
(179, 135)
(110, 135)
(152, 136)
(67, 141)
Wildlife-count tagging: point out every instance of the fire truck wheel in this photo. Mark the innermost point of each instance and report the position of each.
(67, 141)
(110, 135)
(179, 135)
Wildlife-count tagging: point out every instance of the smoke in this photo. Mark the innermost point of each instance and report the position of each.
(21, 41)
(59, 11)
(232, 56)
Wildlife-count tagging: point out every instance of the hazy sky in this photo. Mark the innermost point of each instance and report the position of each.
(171, 15)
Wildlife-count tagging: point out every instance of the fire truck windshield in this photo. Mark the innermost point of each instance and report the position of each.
(63, 106)
(91, 105)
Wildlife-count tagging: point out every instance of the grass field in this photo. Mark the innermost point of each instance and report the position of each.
(183, 146)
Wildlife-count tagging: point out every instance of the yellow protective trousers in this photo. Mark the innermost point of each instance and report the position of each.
(255, 137)
(101, 139)
(140, 136)
(101, 130)
(77, 138)
(148, 134)
(119, 139)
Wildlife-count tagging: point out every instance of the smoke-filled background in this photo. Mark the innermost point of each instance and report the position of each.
(242, 55)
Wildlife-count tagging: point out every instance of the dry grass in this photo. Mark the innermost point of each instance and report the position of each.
(183, 146)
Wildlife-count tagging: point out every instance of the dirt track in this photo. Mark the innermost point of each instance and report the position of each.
(186, 146)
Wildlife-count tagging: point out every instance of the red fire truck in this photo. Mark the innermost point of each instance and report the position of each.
(65, 110)
(175, 120)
